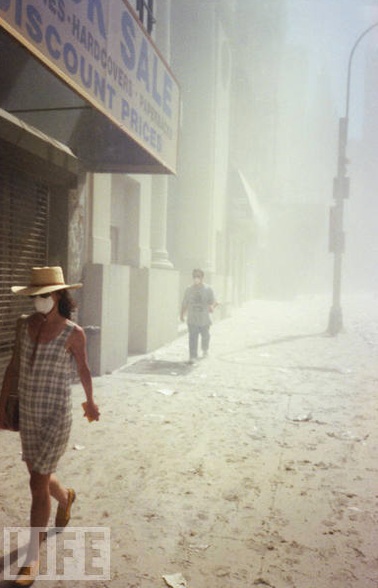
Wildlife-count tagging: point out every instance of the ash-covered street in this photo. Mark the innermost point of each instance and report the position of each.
(256, 467)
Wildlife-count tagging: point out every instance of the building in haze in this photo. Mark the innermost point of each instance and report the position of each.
(115, 162)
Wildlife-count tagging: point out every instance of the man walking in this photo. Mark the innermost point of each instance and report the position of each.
(198, 302)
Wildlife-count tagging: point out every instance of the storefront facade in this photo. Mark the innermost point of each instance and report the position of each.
(137, 214)
(93, 100)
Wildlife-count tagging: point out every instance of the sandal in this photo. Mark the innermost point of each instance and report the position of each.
(63, 514)
(27, 574)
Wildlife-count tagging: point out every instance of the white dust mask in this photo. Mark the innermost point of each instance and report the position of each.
(197, 280)
(43, 305)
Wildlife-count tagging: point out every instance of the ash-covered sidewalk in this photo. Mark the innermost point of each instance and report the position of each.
(256, 467)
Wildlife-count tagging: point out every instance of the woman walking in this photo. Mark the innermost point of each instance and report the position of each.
(48, 342)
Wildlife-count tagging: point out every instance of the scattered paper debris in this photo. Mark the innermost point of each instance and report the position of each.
(347, 436)
(198, 547)
(175, 580)
(166, 391)
(302, 418)
(78, 447)
(256, 434)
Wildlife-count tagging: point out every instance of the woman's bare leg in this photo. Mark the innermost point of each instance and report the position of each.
(57, 491)
(40, 512)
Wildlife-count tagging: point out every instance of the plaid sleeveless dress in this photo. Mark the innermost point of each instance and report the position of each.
(45, 399)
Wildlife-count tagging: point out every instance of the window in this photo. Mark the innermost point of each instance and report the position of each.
(145, 9)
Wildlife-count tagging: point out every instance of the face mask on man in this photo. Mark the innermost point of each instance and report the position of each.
(197, 280)
(43, 305)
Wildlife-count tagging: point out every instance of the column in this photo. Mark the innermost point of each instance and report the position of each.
(160, 258)
(76, 230)
(100, 244)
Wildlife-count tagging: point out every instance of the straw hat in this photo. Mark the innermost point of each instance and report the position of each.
(43, 280)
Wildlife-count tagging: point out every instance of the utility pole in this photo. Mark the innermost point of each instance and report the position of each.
(337, 235)
(340, 193)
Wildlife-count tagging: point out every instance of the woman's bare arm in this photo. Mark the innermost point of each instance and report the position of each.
(77, 345)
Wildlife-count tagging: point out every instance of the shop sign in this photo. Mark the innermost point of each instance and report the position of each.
(100, 49)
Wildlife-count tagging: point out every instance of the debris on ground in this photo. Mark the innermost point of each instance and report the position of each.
(175, 580)
(302, 418)
(166, 391)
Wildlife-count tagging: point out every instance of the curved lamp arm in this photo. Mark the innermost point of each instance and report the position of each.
(350, 64)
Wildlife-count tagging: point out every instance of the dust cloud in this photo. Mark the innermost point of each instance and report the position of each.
(296, 55)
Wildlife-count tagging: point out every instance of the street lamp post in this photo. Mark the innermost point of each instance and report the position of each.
(340, 192)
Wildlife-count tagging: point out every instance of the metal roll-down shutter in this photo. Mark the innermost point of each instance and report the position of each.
(24, 207)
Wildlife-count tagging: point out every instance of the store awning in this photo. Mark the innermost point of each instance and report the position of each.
(259, 214)
(244, 207)
(87, 73)
(60, 164)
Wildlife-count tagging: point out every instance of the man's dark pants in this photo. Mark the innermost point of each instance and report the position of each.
(194, 332)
